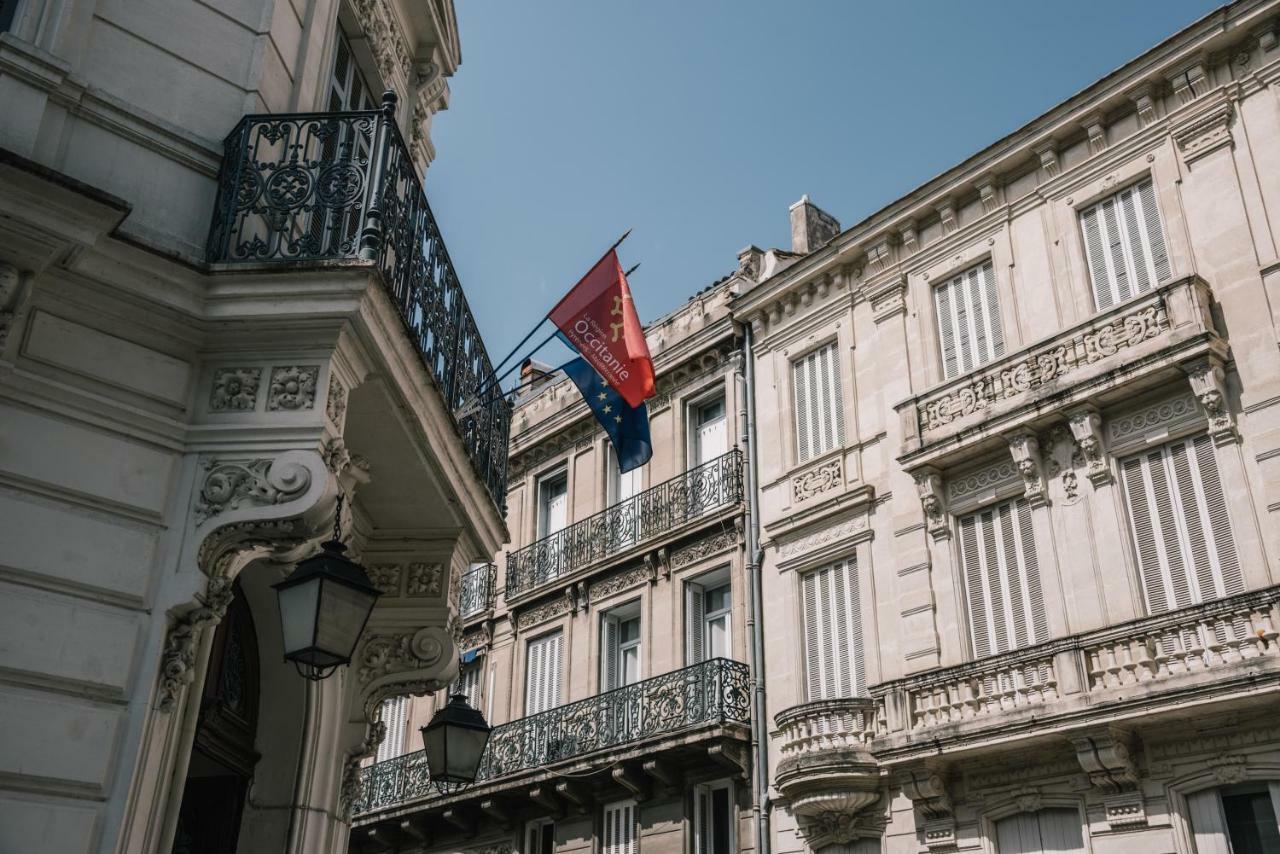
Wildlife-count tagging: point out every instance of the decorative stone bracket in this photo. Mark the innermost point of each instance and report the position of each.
(1209, 386)
(932, 501)
(929, 789)
(1086, 429)
(1025, 448)
(1106, 755)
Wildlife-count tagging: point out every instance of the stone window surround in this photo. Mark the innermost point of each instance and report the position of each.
(833, 331)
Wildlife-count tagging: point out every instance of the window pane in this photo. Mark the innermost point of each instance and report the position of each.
(1251, 822)
(719, 821)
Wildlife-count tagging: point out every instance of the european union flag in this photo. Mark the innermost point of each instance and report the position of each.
(627, 426)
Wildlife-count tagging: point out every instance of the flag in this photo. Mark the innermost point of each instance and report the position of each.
(599, 319)
(627, 426)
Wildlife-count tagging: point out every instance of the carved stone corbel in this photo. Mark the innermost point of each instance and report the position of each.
(1025, 448)
(1086, 429)
(929, 488)
(929, 790)
(1106, 755)
(1208, 383)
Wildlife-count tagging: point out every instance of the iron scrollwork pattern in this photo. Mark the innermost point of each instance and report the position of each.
(654, 512)
(477, 590)
(308, 187)
(714, 691)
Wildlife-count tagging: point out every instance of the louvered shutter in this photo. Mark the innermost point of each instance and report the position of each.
(619, 828)
(608, 653)
(1208, 822)
(468, 682)
(1056, 830)
(1181, 530)
(834, 658)
(969, 327)
(1002, 578)
(395, 718)
(694, 649)
(542, 690)
(1124, 245)
(818, 404)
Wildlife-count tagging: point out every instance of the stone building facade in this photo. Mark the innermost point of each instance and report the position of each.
(182, 406)
(1021, 552)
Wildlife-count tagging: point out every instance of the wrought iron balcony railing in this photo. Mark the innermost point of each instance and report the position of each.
(477, 590)
(652, 513)
(715, 691)
(308, 187)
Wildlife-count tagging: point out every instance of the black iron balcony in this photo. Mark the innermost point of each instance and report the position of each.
(715, 691)
(322, 187)
(655, 512)
(478, 585)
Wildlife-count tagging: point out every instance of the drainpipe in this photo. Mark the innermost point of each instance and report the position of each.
(755, 603)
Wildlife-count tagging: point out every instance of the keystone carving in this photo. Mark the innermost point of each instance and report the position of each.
(178, 660)
(1209, 387)
(232, 485)
(1086, 429)
(1025, 448)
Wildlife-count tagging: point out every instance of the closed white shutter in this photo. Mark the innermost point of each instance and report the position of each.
(542, 690)
(694, 650)
(834, 658)
(1124, 245)
(609, 653)
(712, 437)
(1181, 531)
(395, 713)
(1002, 579)
(554, 497)
(969, 327)
(819, 409)
(468, 682)
(1208, 822)
(619, 828)
(1052, 830)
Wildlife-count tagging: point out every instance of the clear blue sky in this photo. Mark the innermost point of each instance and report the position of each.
(699, 122)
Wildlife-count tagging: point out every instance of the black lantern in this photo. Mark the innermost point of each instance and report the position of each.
(324, 605)
(454, 742)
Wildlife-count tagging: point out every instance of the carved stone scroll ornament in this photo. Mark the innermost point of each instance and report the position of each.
(1025, 449)
(816, 481)
(929, 790)
(178, 660)
(1209, 386)
(239, 484)
(1086, 429)
(929, 488)
(388, 654)
(1106, 755)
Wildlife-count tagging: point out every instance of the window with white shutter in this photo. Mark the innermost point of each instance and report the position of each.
(619, 836)
(1124, 245)
(1238, 819)
(620, 647)
(834, 661)
(553, 504)
(818, 407)
(1055, 830)
(968, 311)
(542, 683)
(1002, 578)
(395, 715)
(469, 681)
(1178, 518)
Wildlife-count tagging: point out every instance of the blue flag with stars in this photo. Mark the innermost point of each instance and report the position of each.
(627, 426)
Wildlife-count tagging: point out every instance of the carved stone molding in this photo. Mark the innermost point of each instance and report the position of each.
(1168, 413)
(1210, 389)
(703, 548)
(1025, 448)
(238, 484)
(835, 818)
(1228, 770)
(178, 658)
(1106, 755)
(383, 655)
(983, 480)
(1096, 127)
(889, 301)
(1144, 102)
(293, 387)
(822, 478)
(1086, 429)
(386, 577)
(1049, 162)
(424, 579)
(1126, 809)
(235, 389)
(386, 39)
(619, 581)
(335, 406)
(850, 527)
(947, 214)
(929, 488)
(541, 613)
(475, 637)
(1205, 133)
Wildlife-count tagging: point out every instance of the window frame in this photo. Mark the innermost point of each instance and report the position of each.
(855, 646)
(559, 473)
(990, 297)
(708, 789)
(802, 452)
(557, 700)
(1151, 265)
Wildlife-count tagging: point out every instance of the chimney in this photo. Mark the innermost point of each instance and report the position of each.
(534, 373)
(811, 227)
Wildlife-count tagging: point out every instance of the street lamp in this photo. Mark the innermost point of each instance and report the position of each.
(454, 742)
(324, 605)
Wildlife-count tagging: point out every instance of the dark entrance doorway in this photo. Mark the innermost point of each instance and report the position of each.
(222, 758)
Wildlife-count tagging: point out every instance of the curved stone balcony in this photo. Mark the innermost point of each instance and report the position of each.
(827, 772)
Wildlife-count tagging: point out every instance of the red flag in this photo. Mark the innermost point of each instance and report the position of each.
(599, 319)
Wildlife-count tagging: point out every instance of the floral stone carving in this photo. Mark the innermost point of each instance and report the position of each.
(233, 485)
(178, 660)
(235, 389)
(293, 388)
(425, 579)
(824, 478)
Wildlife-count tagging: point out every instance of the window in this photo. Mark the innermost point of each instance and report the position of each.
(833, 632)
(348, 89)
(1236, 819)
(1178, 516)
(969, 320)
(1055, 830)
(553, 504)
(542, 685)
(541, 837)
(622, 485)
(708, 616)
(8, 8)
(395, 714)
(470, 682)
(1124, 245)
(619, 836)
(710, 431)
(713, 818)
(819, 412)
(1002, 579)
(620, 647)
